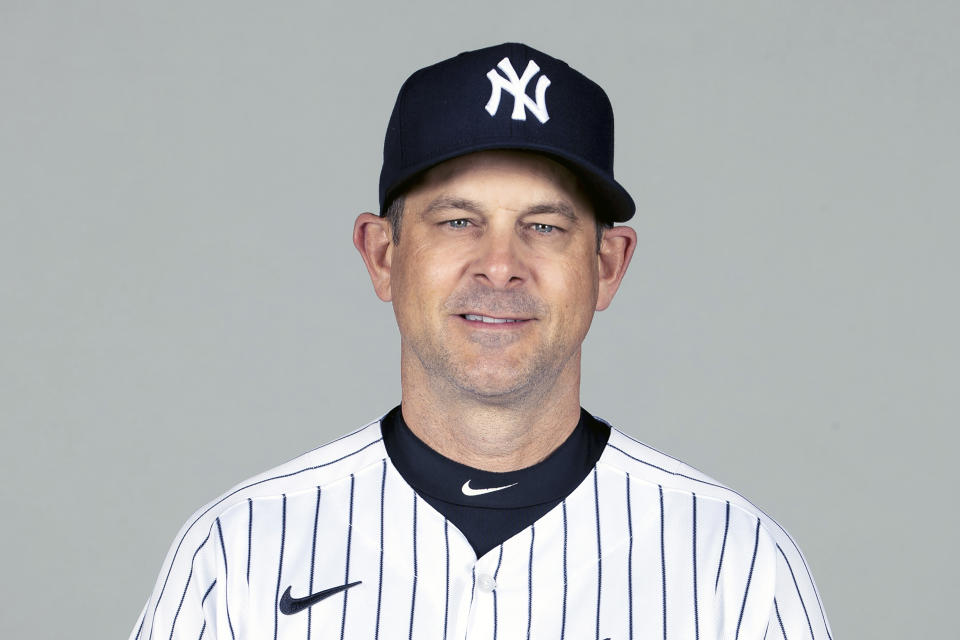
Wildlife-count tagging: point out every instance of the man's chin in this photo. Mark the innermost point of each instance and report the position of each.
(498, 397)
(497, 386)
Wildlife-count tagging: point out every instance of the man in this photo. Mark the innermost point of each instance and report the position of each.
(488, 504)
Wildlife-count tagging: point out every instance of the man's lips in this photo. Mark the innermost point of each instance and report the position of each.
(492, 320)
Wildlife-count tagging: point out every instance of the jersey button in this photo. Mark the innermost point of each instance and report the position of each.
(486, 583)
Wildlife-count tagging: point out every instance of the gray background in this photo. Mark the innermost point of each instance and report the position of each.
(182, 306)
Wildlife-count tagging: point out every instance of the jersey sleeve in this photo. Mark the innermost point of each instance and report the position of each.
(766, 588)
(184, 601)
(796, 611)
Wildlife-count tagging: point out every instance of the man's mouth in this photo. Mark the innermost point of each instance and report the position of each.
(489, 319)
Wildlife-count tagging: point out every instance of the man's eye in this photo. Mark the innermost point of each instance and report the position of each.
(540, 227)
(460, 223)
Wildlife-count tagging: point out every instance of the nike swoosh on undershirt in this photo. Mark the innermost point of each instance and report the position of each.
(470, 491)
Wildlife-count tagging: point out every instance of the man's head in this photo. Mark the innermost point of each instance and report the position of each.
(506, 214)
(496, 281)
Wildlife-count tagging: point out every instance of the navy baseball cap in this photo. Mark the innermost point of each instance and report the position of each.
(509, 96)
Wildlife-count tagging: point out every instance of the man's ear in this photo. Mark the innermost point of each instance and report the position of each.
(616, 249)
(373, 238)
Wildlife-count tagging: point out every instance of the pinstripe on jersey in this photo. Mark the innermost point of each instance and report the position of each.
(645, 547)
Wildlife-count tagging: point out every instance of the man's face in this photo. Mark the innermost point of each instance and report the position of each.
(495, 279)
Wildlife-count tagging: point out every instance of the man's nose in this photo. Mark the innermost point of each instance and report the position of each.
(500, 261)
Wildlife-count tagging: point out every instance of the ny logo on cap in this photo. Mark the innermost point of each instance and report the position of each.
(517, 86)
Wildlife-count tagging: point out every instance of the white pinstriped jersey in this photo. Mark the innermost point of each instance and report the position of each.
(646, 547)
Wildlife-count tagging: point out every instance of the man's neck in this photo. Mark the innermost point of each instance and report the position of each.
(491, 434)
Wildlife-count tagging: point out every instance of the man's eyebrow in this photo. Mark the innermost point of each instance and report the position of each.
(450, 202)
(558, 206)
(441, 203)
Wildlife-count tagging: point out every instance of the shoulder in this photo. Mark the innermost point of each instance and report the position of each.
(752, 553)
(672, 477)
(745, 540)
(321, 467)
(646, 464)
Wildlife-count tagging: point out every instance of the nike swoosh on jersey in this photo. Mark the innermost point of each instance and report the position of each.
(289, 605)
(470, 491)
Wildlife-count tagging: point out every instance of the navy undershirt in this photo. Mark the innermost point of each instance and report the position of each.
(490, 518)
